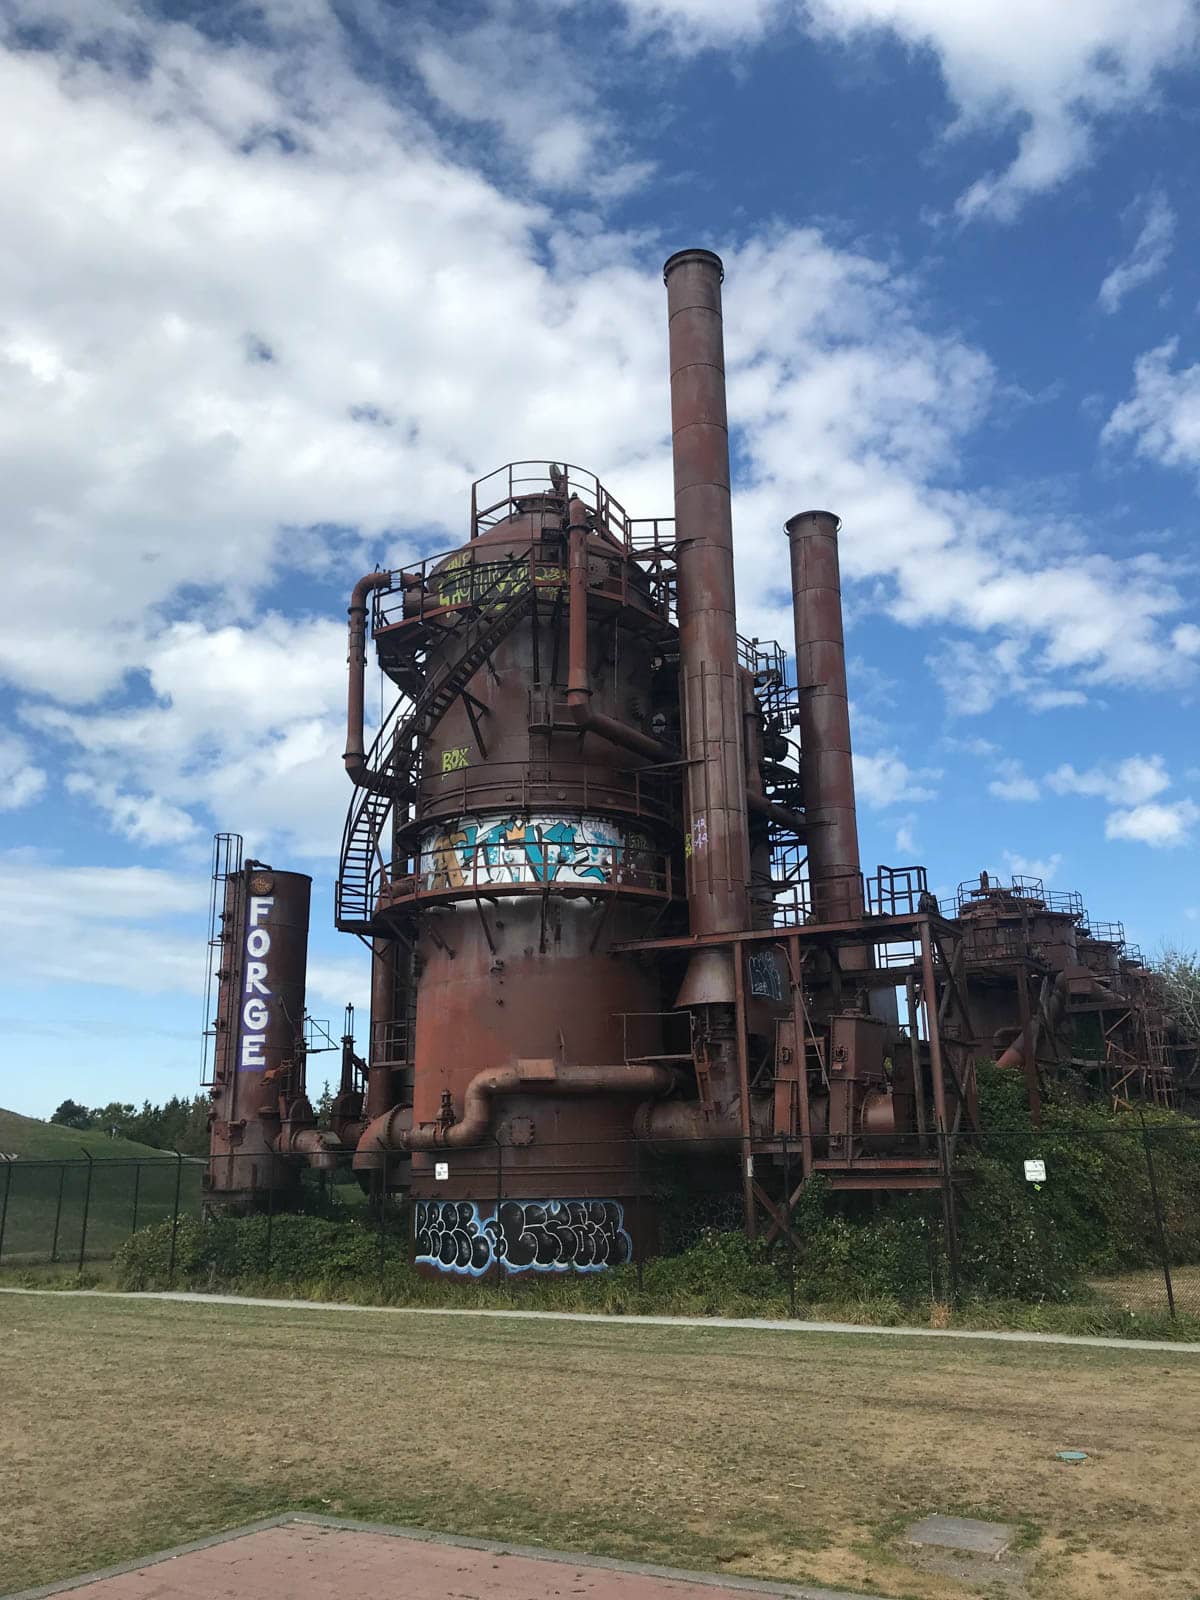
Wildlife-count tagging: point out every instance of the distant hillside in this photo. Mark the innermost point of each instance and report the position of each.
(32, 1140)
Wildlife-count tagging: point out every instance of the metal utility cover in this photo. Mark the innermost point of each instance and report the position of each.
(963, 1533)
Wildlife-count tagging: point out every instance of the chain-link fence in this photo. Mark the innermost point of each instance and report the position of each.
(82, 1210)
(1100, 1216)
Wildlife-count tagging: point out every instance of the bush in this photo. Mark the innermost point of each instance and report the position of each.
(296, 1248)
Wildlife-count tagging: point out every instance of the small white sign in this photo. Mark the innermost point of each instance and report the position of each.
(1035, 1172)
(441, 1170)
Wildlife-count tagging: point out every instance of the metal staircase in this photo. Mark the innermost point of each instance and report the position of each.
(396, 752)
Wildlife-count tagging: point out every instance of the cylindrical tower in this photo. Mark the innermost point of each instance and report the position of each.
(529, 839)
(718, 861)
(826, 763)
(258, 1073)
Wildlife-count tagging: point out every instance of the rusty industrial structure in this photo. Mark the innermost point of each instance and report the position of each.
(604, 853)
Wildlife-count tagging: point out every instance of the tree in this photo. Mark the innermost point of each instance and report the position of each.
(72, 1115)
(1179, 971)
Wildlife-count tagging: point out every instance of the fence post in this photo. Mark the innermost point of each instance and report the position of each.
(137, 1189)
(379, 1177)
(8, 1172)
(87, 1203)
(62, 1178)
(948, 1219)
(1158, 1214)
(791, 1232)
(640, 1247)
(270, 1228)
(175, 1219)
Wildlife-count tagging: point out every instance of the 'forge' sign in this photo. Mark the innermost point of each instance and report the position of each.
(256, 991)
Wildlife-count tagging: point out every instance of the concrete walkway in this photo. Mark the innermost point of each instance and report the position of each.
(306, 1557)
(748, 1324)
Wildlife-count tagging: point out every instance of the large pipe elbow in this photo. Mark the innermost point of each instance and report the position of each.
(386, 1135)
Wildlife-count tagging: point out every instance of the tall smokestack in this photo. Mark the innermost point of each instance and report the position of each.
(826, 767)
(718, 861)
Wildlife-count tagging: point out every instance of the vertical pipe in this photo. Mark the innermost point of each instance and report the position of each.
(929, 997)
(137, 1188)
(743, 1065)
(826, 766)
(914, 1034)
(710, 691)
(1028, 1047)
(800, 1045)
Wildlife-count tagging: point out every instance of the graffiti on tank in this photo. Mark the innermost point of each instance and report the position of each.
(521, 1236)
(541, 850)
(256, 993)
(766, 979)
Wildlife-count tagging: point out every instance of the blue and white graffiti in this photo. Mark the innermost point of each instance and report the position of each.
(521, 1236)
(518, 849)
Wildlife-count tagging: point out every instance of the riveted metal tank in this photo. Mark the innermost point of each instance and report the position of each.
(259, 1057)
(531, 833)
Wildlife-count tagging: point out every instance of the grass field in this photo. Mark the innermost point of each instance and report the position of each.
(34, 1140)
(132, 1425)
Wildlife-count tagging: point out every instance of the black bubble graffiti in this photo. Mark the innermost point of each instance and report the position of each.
(522, 1235)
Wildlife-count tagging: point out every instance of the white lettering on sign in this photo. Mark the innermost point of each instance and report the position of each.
(1035, 1172)
(255, 991)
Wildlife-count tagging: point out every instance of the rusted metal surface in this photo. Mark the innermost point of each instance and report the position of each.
(261, 1117)
(710, 689)
(582, 833)
(826, 763)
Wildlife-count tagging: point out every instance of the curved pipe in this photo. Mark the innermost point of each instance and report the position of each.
(355, 756)
(546, 1077)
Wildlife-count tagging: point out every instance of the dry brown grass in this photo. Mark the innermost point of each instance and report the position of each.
(1146, 1290)
(130, 1425)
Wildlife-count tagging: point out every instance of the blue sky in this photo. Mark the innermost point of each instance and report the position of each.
(277, 281)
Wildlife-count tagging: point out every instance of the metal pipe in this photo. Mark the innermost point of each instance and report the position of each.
(542, 1077)
(355, 756)
(718, 864)
(929, 1000)
(579, 682)
(826, 765)
(749, 1216)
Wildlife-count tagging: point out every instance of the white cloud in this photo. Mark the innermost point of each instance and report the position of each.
(133, 928)
(886, 779)
(1013, 782)
(486, 74)
(1186, 639)
(906, 839)
(1156, 823)
(1162, 416)
(1052, 73)
(251, 330)
(1128, 783)
(1131, 788)
(1045, 868)
(144, 818)
(20, 781)
(1149, 255)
